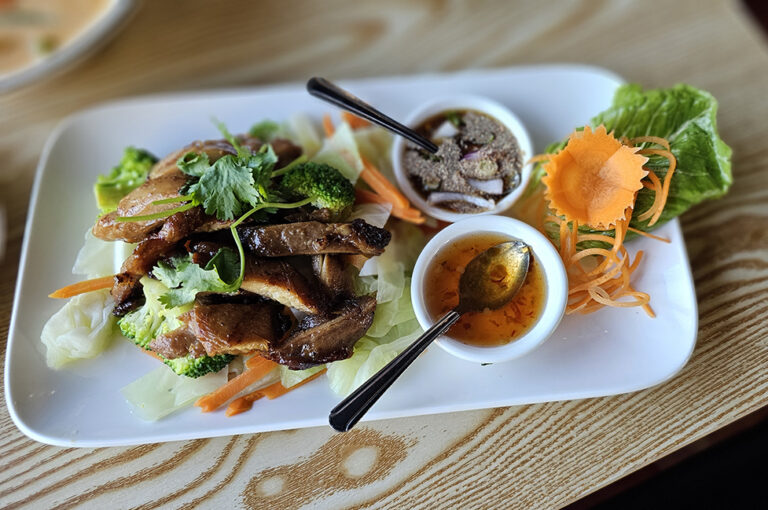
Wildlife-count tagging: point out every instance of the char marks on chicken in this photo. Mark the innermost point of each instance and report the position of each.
(319, 340)
(315, 238)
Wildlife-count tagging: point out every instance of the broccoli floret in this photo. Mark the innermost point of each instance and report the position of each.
(195, 367)
(321, 183)
(128, 175)
(153, 319)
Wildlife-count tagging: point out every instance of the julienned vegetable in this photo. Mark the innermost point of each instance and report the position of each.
(126, 176)
(651, 156)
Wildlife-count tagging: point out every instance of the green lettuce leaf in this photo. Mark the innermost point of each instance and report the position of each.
(686, 117)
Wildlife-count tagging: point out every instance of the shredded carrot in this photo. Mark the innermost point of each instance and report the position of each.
(660, 201)
(600, 276)
(381, 185)
(363, 196)
(388, 192)
(255, 362)
(354, 121)
(221, 395)
(328, 125)
(245, 403)
(647, 234)
(539, 158)
(105, 282)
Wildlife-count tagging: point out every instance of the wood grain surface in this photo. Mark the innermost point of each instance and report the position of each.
(536, 456)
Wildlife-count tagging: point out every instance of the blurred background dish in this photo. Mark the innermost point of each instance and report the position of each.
(38, 37)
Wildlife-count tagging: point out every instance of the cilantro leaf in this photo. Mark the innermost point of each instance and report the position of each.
(242, 152)
(185, 279)
(226, 262)
(226, 189)
(264, 130)
(194, 164)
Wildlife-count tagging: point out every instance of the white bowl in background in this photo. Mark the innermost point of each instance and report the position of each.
(103, 28)
(463, 102)
(555, 282)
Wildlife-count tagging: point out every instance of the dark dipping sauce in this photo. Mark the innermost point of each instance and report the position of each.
(478, 162)
(488, 328)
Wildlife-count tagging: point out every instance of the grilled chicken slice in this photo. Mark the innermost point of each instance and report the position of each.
(319, 340)
(273, 278)
(278, 280)
(330, 272)
(220, 324)
(315, 238)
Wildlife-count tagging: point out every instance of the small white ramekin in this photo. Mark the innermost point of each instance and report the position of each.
(463, 102)
(545, 255)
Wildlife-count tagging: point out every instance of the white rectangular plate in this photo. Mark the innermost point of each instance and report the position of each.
(612, 351)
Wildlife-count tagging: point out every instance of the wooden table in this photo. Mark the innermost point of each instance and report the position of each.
(532, 456)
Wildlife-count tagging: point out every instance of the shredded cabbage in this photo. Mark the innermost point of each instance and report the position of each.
(161, 392)
(82, 329)
(375, 145)
(371, 355)
(303, 132)
(100, 258)
(373, 214)
(290, 377)
(392, 313)
(340, 151)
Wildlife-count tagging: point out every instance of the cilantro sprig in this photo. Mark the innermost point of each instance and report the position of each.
(185, 278)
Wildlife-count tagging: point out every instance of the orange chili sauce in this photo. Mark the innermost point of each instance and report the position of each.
(490, 327)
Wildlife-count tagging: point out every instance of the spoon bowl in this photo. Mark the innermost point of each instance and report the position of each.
(492, 279)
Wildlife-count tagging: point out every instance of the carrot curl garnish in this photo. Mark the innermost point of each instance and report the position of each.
(586, 184)
(594, 178)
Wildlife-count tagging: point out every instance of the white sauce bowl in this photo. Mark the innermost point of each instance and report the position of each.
(463, 102)
(548, 259)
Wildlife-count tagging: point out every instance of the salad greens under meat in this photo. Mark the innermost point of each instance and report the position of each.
(251, 246)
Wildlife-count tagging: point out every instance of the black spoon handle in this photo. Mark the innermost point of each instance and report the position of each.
(345, 415)
(327, 91)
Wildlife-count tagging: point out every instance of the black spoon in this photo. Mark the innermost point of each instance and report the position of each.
(332, 93)
(490, 280)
